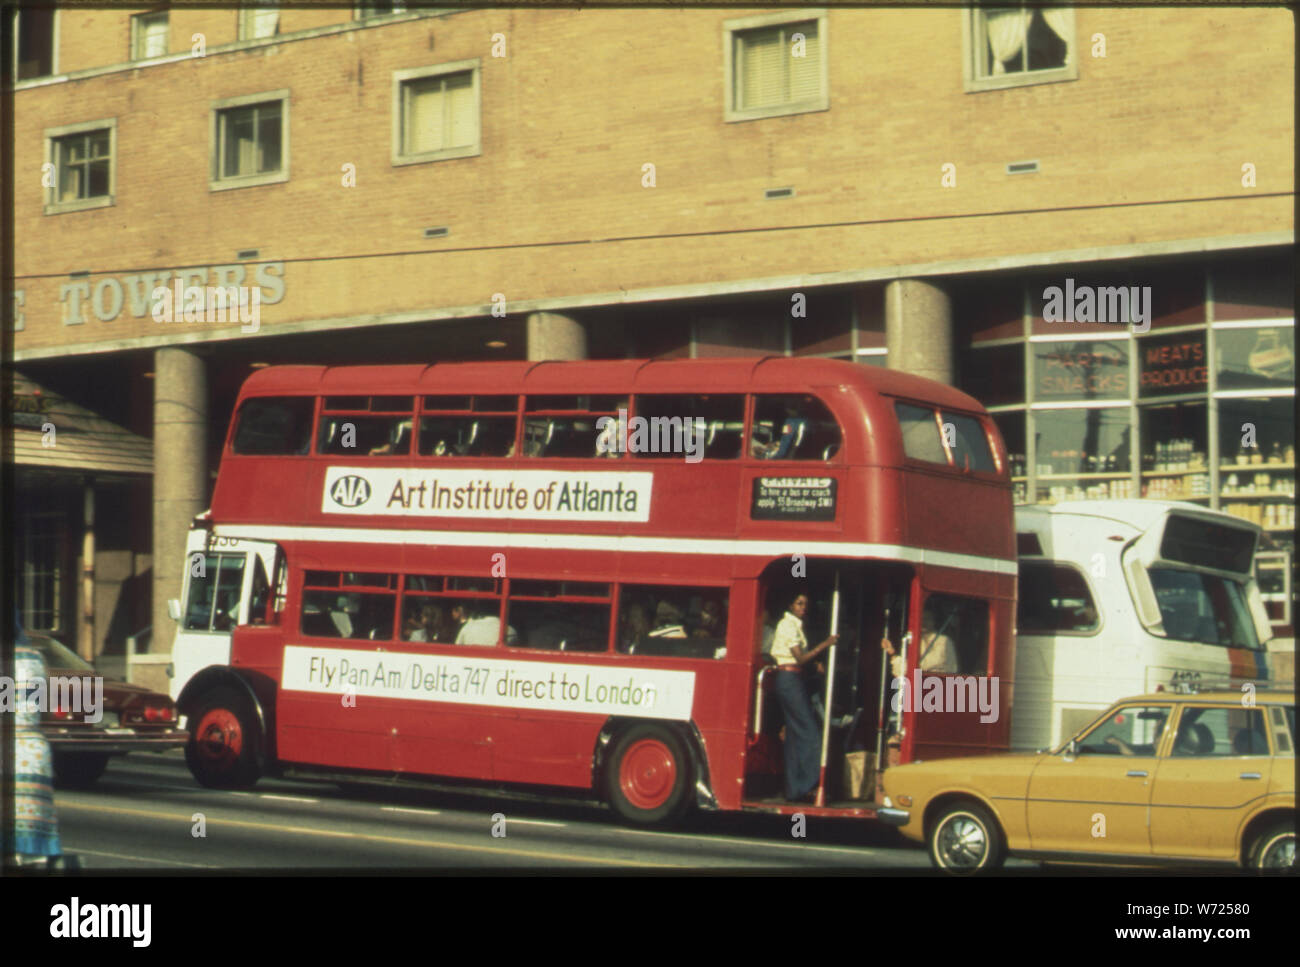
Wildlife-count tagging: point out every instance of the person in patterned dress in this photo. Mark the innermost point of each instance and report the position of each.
(36, 826)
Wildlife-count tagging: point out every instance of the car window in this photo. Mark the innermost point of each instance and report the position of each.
(1133, 730)
(1232, 731)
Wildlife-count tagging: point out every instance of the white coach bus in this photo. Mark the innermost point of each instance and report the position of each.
(1126, 597)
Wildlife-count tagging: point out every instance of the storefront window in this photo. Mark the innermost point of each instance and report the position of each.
(1171, 365)
(995, 375)
(1255, 358)
(1257, 462)
(1082, 454)
(1082, 370)
(1174, 447)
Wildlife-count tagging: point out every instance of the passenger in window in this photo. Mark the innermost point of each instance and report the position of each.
(609, 443)
(710, 623)
(412, 629)
(802, 748)
(399, 441)
(635, 625)
(793, 429)
(938, 653)
(668, 621)
(478, 628)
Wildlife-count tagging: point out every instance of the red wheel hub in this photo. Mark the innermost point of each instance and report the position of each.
(647, 774)
(219, 737)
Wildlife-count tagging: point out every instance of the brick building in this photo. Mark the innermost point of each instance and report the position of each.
(899, 187)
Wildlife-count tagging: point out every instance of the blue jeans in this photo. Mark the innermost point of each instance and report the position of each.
(802, 742)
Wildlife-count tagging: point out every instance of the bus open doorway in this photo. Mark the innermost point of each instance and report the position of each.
(873, 603)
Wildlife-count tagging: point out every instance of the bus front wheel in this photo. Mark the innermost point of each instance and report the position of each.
(648, 780)
(223, 749)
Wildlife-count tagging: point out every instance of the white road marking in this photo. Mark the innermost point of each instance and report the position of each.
(143, 859)
(417, 812)
(534, 822)
(267, 795)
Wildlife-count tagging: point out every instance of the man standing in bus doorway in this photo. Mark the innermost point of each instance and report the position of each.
(802, 747)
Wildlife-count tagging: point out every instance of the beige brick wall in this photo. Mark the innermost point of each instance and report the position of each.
(585, 98)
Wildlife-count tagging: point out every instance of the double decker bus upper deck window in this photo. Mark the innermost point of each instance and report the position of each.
(969, 443)
(793, 428)
(709, 427)
(921, 437)
(468, 426)
(274, 426)
(679, 622)
(353, 425)
(568, 426)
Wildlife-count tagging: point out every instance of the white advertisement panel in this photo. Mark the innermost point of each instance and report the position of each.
(598, 495)
(472, 679)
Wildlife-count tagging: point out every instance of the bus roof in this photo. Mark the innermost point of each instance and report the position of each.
(1138, 515)
(723, 375)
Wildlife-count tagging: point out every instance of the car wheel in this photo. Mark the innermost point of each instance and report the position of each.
(224, 750)
(1275, 850)
(648, 778)
(78, 770)
(966, 839)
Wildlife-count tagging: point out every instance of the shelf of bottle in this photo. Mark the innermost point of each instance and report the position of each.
(1174, 473)
(1080, 476)
(1150, 496)
(1267, 495)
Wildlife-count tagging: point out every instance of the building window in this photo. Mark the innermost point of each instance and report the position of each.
(33, 38)
(43, 542)
(436, 113)
(149, 35)
(1015, 45)
(775, 65)
(250, 139)
(258, 22)
(82, 156)
(364, 11)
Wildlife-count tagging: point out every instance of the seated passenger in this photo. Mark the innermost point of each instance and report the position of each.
(634, 626)
(792, 431)
(400, 440)
(710, 625)
(668, 621)
(477, 628)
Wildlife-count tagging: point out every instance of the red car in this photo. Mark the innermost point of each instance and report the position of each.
(85, 722)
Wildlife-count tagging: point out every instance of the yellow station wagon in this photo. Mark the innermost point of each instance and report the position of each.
(1156, 779)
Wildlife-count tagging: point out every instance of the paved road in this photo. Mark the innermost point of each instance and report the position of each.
(146, 813)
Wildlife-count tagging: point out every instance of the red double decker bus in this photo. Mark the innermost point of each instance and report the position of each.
(565, 574)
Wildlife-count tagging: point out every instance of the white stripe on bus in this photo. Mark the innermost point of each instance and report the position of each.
(632, 544)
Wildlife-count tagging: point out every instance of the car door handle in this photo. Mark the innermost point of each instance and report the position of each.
(1138, 773)
(1251, 775)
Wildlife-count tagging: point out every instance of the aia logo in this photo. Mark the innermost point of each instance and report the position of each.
(350, 491)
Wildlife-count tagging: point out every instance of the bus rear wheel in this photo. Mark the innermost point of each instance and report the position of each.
(224, 741)
(648, 780)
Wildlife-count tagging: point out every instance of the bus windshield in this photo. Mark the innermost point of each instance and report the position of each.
(1195, 606)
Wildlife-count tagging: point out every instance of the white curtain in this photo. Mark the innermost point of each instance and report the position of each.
(1006, 31)
(1057, 18)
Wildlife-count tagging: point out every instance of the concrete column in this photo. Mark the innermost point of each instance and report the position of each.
(918, 329)
(553, 336)
(180, 475)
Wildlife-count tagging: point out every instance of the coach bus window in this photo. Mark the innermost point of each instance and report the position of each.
(468, 426)
(793, 428)
(568, 426)
(1204, 608)
(954, 636)
(673, 621)
(332, 607)
(921, 439)
(968, 442)
(709, 427)
(274, 426)
(1054, 599)
(560, 615)
(348, 425)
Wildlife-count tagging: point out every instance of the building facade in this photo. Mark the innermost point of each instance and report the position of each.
(1084, 217)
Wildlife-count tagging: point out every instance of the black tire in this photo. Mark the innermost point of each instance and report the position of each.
(965, 839)
(649, 778)
(78, 770)
(1274, 851)
(225, 747)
